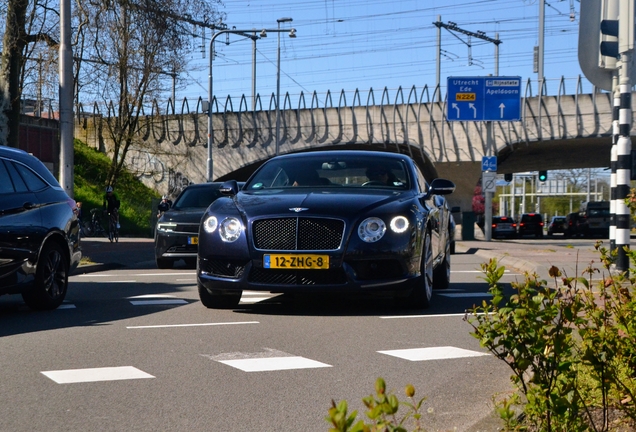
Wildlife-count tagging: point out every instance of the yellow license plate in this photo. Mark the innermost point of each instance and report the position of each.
(193, 240)
(466, 96)
(296, 261)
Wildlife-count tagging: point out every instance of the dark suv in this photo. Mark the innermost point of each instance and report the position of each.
(39, 231)
(531, 224)
(177, 231)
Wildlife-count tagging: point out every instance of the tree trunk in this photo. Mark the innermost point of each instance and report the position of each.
(13, 43)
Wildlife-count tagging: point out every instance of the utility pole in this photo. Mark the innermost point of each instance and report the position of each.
(66, 99)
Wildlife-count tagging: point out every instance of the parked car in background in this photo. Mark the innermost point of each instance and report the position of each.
(556, 225)
(337, 221)
(177, 230)
(503, 227)
(39, 231)
(572, 224)
(596, 219)
(530, 224)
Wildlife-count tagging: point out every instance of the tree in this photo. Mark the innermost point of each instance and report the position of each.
(26, 24)
(131, 44)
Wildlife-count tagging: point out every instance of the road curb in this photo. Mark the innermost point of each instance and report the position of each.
(510, 261)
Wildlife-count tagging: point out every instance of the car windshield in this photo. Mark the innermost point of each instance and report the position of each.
(318, 172)
(199, 198)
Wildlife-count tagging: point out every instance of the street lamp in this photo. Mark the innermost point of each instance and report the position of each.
(291, 34)
(250, 33)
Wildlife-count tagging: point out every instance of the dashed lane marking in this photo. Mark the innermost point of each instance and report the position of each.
(70, 376)
(433, 353)
(268, 360)
(191, 325)
(158, 302)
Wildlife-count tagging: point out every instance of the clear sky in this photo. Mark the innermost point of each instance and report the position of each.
(363, 44)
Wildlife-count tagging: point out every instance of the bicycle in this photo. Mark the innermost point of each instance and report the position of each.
(95, 226)
(113, 230)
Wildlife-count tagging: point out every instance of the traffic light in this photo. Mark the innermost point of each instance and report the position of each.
(508, 177)
(609, 44)
(543, 176)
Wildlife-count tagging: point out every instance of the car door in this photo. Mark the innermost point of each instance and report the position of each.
(20, 220)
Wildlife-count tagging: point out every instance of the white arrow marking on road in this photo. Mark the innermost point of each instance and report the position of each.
(457, 108)
(501, 109)
(474, 109)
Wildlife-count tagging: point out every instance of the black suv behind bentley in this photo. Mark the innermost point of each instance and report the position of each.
(39, 231)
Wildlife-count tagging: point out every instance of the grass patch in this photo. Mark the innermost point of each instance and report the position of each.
(91, 168)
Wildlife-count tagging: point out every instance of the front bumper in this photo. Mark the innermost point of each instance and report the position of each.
(351, 276)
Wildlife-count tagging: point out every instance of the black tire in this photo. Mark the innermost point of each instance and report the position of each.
(422, 292)
(164, 263)
(51, 279)
(441, 274)
(217, 299)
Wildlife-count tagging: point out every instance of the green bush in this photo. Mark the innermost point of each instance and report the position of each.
(571, 346)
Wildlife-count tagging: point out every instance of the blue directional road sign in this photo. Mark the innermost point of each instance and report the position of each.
(489, 163)
(484, 99)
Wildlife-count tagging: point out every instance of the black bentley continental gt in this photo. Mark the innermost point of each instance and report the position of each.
(338, 221)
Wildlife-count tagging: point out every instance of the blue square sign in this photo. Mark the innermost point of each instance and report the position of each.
(489, 163)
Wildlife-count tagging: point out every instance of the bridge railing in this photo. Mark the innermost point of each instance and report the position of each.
(385, 96)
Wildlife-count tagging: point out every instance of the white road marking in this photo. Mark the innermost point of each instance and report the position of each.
(423, 316)
(191, 325)
(252, 300)
(151, 296)
(96, 374)
(429, 316)
(274, 364)
(157, 302)
(105, 275)
(433, 353)
(66, 306)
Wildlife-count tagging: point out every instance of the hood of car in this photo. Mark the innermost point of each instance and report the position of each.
(325, 203)
(193, 215)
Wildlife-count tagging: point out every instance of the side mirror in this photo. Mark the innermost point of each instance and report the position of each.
(441, 186)
(229, 188)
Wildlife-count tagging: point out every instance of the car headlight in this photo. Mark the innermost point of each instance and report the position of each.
(371, 229)
(399, 224)
(230, 229)
(210, 224)
(166, 226)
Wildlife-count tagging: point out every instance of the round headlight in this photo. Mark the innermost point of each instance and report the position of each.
(371, 229)
(210, 224)
(230, 229)
(399, 224)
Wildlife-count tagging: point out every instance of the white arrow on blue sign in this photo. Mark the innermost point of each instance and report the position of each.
(489, 163)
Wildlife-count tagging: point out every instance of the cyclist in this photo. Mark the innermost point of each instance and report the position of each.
(111, 204)
(164, 205)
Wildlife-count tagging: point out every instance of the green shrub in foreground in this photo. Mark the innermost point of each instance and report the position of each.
(571, 346)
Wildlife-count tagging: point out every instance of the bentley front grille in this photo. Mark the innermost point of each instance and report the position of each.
(298, 233)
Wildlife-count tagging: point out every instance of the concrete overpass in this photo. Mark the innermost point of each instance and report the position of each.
(565, 130)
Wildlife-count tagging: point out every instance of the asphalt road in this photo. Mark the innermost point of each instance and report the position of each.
(133, 349)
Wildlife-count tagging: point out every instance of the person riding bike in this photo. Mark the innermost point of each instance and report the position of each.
(111, 204)
(164, 205)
